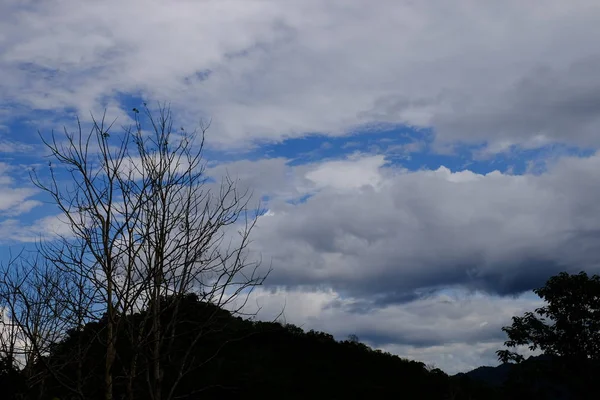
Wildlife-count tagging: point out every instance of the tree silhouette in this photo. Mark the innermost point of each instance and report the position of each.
(144, 221)
(240, 358)
(568, 326)
(566, 330)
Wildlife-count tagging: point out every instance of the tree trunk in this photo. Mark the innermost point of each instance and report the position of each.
(110, 347)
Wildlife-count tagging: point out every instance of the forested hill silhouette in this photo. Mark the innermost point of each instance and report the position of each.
(239, 358)
(209, 353)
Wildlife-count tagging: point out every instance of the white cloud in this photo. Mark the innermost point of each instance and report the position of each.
(17, 230)
(7, 146)
(348, 175)
(507, 73)
(14, 200)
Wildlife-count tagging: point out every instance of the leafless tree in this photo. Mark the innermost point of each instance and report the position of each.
(145, 223)
(11, 338)
(41, 304)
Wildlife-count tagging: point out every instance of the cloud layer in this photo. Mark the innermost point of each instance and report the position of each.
(515, 74)
(374, 230)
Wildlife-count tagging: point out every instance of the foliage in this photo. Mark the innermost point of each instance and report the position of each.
(567, 331)
(568, 326)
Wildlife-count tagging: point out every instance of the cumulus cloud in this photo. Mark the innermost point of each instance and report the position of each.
(391, 235)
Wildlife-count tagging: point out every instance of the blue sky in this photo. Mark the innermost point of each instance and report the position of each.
(424, 165)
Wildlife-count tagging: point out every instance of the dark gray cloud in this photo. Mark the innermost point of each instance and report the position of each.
(420, 337)
(546, 105)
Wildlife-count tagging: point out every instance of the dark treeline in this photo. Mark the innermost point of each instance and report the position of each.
(236, 358)
(243, 358)
(239, 358)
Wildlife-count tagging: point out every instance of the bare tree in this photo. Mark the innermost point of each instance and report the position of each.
(145, 224)
(41, 305)
(11, 337)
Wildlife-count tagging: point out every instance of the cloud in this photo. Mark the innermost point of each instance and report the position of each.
(14, 200)
(393, 234)
(347, 175)
(547, 105)
(474, 71)
(16, 230)
(7, 146)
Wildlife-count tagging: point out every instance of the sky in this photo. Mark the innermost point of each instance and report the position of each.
(424, 164)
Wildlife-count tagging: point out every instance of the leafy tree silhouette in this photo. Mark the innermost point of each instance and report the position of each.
(566, 330)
